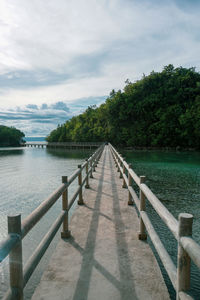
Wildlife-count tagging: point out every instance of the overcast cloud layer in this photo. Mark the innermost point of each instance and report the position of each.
(58, 57)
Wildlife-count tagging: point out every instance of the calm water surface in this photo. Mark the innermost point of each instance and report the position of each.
(27, 177)
(175, 179)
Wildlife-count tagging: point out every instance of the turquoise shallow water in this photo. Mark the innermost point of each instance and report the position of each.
(174, 177)
(27, 177)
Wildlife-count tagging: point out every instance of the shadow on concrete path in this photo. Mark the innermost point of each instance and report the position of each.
(125, 284)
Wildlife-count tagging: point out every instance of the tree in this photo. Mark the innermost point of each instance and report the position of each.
(10, 136)
(162, 109)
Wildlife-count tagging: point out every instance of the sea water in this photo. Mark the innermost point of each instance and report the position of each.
(27, 177)
(174, 177)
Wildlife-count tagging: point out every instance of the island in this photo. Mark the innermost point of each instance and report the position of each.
(160, 110)
(11, 137)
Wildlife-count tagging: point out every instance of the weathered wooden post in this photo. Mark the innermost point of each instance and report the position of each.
(183, 260)
(80, 197)
(130, 181)
(114, 156)
(97, 159)
(15, 259)
(65, 233)
(87, 176)
(120, 164)
(142, 232)
(94, 162)
(124, 173)
(91, 175)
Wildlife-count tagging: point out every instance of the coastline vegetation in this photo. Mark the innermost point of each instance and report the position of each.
(159, 110)
(10, 136)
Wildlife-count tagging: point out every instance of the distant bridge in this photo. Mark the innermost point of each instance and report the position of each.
(35, 144)
(66, 145)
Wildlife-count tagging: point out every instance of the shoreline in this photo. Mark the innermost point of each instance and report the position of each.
(165, 149)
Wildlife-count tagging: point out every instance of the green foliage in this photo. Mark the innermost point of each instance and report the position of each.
(162, 109)
(10, 136)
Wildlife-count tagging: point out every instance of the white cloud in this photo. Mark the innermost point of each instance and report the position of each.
(36, 120)
(51, 34)
(65, 50)
(69, 91)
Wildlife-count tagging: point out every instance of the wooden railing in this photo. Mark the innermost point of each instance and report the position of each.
(74, 145)
(17, 230)
(67, 145)
(182, 229)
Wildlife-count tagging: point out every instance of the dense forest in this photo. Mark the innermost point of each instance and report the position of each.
(160, 110)
(10, 136)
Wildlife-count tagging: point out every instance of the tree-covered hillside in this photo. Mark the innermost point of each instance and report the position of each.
(10, 136)
(162, 109)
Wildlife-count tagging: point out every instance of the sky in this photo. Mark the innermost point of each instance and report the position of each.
(59, 57)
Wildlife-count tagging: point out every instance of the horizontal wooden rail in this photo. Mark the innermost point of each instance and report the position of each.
(135, 197)
(125, 179)
(164, 256)
(73, 176)
(182, 229)
(192, 248)
(42, 247)
(41, 210)
(74, 197)
(161, 210)
(13, 240)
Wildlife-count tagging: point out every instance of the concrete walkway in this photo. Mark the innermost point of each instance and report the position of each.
(103, 259)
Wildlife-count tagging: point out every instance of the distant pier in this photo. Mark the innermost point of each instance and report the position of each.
(66, 145)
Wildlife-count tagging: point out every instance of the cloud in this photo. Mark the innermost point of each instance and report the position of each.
(32, 119)
(60, 106)
(32, 106)
(72, 38)
(55, 52)
(44, 106)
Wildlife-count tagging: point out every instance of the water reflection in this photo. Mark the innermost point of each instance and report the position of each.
(69, 153)
(174, 177)
(11, 151)
(25, 181)
(164, 156)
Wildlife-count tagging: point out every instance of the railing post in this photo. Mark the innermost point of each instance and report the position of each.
(118, 164)
(87, 177)
(97, 159)
(120, 173)
(91, 175)
(124, 172)
(130, 180)
(65, 233)
(142, 232)
(94, 163)
(183, 260)
(114, 156)
(15, 259)
(80, 199)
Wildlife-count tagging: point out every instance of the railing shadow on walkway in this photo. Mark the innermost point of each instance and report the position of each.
(124, 286)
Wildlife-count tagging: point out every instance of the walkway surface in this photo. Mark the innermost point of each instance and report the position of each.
(104, 258)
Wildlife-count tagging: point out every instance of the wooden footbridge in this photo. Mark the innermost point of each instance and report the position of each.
(103, 253)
